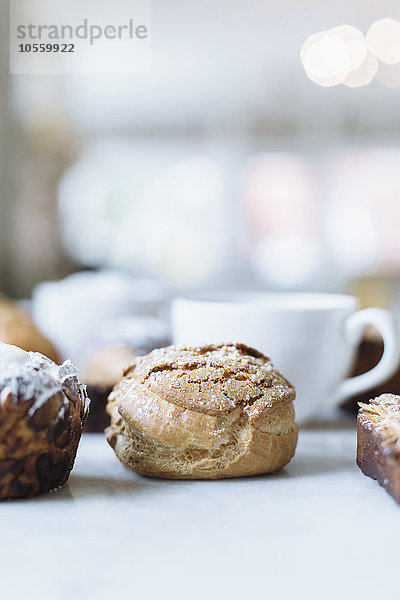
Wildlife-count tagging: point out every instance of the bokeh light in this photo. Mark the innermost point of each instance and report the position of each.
(383, 38)
(325, 58)
(365, 73)
(355, 44)
(343, 55)
(331, 57)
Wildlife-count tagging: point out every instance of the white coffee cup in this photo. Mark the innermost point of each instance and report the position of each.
(312, 338)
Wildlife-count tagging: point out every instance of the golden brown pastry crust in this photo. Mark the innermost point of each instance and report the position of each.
(18, 329)
(42, 412)
(203, 412)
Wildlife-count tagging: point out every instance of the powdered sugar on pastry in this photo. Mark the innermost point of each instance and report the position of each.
(27, 375)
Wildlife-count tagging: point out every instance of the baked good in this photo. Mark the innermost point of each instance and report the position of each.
(378, 442)
(116, 345)
(18, 329)
(103, 370)
(43, 408)
(203, 413)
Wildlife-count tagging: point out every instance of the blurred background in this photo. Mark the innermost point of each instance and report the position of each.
(227, 167)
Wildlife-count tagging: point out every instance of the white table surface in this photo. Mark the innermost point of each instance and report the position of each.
(318, 529)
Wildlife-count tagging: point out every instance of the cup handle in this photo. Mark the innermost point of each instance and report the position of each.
(388, 326)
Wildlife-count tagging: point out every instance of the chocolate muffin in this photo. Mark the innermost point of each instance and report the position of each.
(43, 408)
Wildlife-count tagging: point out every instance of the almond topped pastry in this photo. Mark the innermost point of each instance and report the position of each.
(378, 442)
